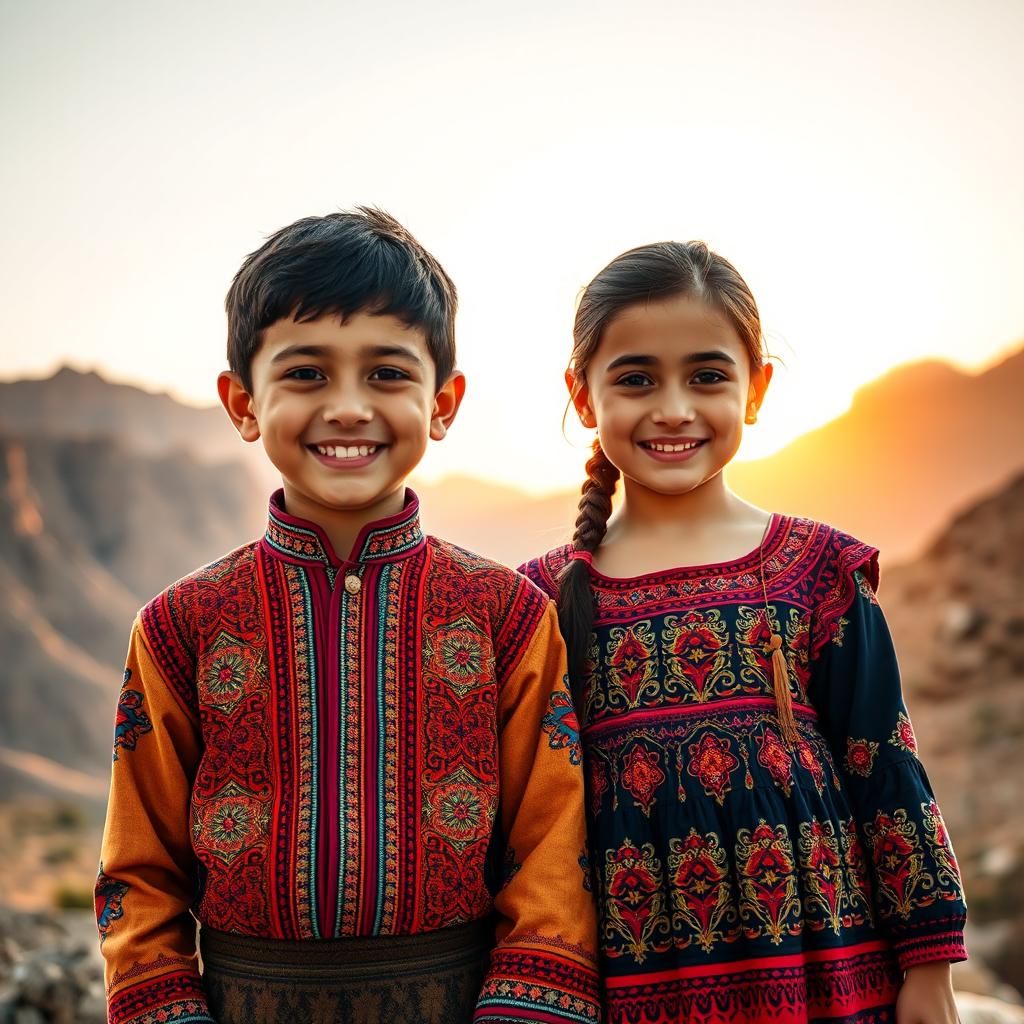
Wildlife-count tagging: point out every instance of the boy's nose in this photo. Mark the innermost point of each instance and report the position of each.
(346, 407)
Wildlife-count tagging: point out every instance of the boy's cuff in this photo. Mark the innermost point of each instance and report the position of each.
(530, 984)
(170, 999)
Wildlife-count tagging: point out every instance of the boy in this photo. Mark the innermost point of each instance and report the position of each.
(346, 744)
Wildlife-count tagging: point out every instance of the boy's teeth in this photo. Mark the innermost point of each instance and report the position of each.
(351, 451)
(673, 447)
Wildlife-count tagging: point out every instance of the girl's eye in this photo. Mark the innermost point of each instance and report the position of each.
(389, 373)
(635, 380)
(709, 377)
(304, 373)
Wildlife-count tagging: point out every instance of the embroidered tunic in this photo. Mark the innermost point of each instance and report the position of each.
(739, 880)
(308, 748)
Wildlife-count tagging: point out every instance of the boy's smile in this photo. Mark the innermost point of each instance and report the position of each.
(345, 410)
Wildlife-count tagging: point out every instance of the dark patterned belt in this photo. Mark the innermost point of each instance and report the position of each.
(430, 978)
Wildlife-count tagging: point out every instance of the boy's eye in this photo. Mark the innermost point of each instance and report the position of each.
(304, 373)
(388, 373)
(709, 377)
(635, 380)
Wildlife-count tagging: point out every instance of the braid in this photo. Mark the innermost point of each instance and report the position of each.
(575, 596)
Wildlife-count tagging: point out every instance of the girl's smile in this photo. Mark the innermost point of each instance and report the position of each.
(668, 388)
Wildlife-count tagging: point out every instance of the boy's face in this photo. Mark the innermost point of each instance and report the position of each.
(344, 410)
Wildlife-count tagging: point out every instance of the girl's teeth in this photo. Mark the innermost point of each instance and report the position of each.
(674, 447)
(347, 452)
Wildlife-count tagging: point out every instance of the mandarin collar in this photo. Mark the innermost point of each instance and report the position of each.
(384, 540)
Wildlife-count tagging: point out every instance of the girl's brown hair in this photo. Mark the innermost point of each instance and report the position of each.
(649, 273)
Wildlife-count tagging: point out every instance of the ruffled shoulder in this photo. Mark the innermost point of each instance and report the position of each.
(846, 566)
(546, 569)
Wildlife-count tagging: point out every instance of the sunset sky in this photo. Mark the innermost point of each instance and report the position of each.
(859, 163)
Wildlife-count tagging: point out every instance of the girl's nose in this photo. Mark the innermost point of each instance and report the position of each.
(675, 407)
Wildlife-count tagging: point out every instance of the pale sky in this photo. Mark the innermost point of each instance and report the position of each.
(859, 163)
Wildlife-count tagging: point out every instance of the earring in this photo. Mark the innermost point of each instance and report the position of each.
(751, 416)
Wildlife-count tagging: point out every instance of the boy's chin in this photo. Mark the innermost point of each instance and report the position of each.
(353, 498)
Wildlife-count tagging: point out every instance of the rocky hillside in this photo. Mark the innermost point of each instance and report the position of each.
(917, 444)
(957, 614)
(89, 530)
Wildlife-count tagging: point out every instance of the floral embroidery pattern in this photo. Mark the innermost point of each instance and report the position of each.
(598, 782)
(642, 776)
(109, 897)
(899, 864)
(860, 756)
(131, 721)
(631, 665)
(712, 763)
(823, 876)
(948, 872)
(561, 726)
(768, 889)
(810, 762)
(864, 587)
(701, 893)
(773, 755)
(696, 647)
(635, 922)
(903, 737)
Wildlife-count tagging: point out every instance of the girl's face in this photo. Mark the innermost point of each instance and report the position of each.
(669, 389)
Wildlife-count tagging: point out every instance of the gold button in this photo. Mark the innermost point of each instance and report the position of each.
(353, 584)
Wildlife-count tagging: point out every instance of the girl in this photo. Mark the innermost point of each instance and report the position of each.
(764, 841)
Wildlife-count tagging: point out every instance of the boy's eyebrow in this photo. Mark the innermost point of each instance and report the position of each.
(710, 356)
(386, 351)
(371, 351)
(298, 350)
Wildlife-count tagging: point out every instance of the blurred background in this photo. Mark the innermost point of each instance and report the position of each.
(859, 164)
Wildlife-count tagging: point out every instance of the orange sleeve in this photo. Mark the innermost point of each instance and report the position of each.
(146, 882)
(544, 965)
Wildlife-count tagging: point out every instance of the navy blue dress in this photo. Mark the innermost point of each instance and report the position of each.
(740, 878)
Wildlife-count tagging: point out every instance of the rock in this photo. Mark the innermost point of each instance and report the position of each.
(986, 1010)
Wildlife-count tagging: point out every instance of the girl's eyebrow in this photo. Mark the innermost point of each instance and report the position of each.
(631, 360)
(711, 356)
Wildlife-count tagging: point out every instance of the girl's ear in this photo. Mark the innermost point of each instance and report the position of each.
(446, 404)
(579, 394)
(759, 381)
(237, 404)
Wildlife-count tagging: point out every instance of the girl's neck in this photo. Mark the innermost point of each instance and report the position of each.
(706, 526)
(646, 512)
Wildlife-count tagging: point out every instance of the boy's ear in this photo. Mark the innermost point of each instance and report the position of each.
(579, 394)
(446, 404)
(237, 404)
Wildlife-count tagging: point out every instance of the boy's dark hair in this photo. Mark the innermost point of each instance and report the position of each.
(341, 264)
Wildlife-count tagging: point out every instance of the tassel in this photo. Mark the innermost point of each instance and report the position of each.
(783, 698)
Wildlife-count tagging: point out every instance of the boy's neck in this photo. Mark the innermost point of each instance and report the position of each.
(342, 525)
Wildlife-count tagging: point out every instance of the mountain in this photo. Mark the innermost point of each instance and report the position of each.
(916, 444)
(71, 404)
(90, 530)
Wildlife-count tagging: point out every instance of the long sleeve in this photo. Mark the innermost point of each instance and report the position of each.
(855, 686)
(147, 880)
(543, 968)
